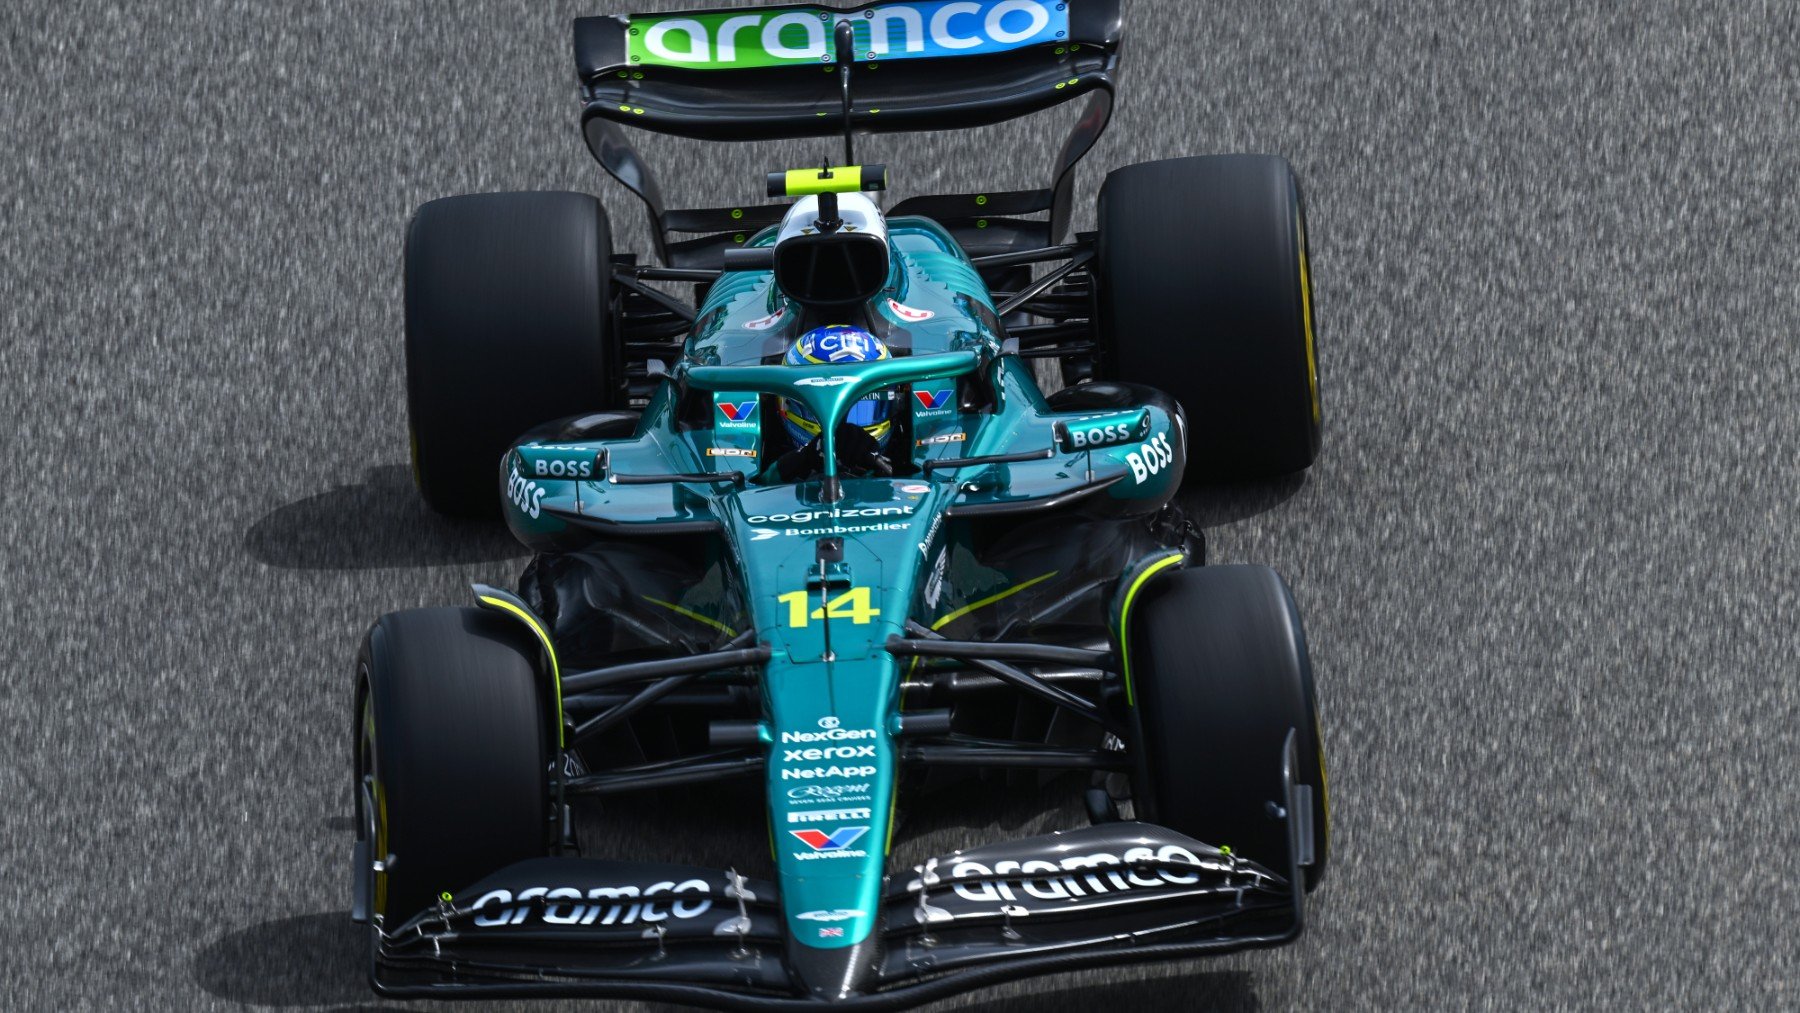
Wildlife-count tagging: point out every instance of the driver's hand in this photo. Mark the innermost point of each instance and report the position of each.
(857, 451)
(797, 465)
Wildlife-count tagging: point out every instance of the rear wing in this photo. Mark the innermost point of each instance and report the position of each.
(775, 72)
(769, 72)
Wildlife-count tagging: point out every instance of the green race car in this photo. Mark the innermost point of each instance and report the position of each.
(822, 533)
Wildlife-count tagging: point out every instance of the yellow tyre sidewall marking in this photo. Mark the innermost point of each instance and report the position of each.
(1312, 364)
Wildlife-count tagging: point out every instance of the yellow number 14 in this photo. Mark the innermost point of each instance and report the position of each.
(853, 605)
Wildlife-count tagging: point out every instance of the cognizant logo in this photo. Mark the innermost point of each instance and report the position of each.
(727, 40)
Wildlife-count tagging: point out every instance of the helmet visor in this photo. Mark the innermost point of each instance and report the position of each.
(870, 411)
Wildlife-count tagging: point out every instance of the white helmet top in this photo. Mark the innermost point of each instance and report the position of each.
(859, 214)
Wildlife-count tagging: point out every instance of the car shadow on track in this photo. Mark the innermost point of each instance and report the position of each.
(379, 524)
(1224, 991)
(1212, 505)
(306, 960)
(317, 960)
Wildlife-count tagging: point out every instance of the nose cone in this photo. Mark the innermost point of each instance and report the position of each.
(837, 973)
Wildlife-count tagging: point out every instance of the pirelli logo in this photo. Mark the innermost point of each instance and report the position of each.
(829, 816)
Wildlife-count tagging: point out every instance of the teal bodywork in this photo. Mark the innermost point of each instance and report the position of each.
(831, 691)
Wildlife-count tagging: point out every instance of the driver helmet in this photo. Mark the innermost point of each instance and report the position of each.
(839, 343)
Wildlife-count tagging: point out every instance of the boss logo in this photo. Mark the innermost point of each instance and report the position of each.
(1151, 458)
(1105, 431)
(525, 494)
(1116, 432)
(562, 469)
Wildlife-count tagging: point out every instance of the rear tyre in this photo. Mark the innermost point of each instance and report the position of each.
(1220, 673)
(506, 326)
(452, 753)
(1204, 292)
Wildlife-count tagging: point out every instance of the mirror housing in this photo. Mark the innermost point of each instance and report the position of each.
(1111, 430)
(564, 462)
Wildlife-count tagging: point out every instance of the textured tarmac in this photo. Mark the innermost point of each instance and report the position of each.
(1548, 558)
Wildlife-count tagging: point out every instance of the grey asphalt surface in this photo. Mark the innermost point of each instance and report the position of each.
(1548, 557)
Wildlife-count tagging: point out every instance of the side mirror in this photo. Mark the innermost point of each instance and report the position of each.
(561, 462)
(1112, 430)
(750, 258)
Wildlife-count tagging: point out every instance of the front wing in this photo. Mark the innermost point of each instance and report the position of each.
(1114, 893)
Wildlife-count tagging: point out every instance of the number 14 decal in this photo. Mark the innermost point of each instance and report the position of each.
(853, 605)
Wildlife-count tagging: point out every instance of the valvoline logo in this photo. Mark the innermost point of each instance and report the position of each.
(932, 400)
(737, 412)
(837, 840)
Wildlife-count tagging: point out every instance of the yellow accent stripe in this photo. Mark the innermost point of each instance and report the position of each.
(1324, 789)
(804, 423)
(1312, 365)
(985, 602)
(972, 606)
(379, 800)
(893, 811)
(691, 614)
(544, 636)
(1125, 612)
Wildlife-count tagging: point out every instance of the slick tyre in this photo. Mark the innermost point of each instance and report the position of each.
(452, 753)
(1219, 674)
(507, 322)
(1204, 292)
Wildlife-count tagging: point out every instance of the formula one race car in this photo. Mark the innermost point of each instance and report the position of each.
(824, 536)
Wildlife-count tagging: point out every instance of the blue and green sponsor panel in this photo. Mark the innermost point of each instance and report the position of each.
(797, 35)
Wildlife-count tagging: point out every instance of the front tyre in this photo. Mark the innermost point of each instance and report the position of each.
(1219, 673)
(1204, 292)
(452, 754)
(506, 326)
